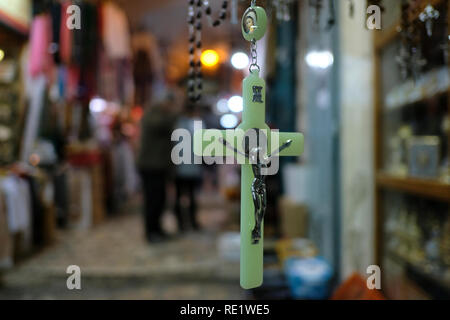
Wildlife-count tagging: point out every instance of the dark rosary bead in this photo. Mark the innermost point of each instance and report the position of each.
(191, 50)
(223, 15)
(200, 86)
(191, 63)
(199, 15)
(224, 4)
(208, 11)
(191, 2)
(192, 39)
(199, 44)
(191, 20)
(216, 23)
(199, 26)
(199, 3)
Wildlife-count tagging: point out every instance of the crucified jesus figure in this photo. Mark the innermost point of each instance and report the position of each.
(259, 161)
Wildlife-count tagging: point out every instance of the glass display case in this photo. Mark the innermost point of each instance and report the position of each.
(412, 139)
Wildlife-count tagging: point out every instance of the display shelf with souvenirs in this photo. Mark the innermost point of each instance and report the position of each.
(416, 234)
(412, 136)
(11, 46)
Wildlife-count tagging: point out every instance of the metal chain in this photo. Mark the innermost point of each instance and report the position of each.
(253, 3)
(254, 55)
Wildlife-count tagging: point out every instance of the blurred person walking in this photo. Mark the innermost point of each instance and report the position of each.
(154, 162)
(188, 176)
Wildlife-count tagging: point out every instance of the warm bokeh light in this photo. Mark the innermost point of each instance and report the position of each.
(2, 55)
(209, 58)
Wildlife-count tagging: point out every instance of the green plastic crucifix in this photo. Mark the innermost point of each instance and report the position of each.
(269, 145)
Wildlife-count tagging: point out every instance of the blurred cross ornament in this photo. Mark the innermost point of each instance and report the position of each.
(351, 8)
(317, 5)
(332, 17)
(282, 9)
(256, 147)
(427, 16)
(417, 59)
(404, 57)
(403, 60)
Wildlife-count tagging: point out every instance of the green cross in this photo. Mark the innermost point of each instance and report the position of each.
(210, 143)
(219, 143)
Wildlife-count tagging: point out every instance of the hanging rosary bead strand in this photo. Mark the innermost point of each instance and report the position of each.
(198, 29)
(195, 14)
(192, 52)
(195, 34)
(222, 14)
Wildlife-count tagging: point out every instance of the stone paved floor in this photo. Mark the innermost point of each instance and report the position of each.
(116, 263)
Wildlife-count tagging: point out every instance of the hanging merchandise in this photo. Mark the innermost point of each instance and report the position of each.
(65, 36)
(6, 245)
(115, 31)
(351, 8)
(40, 40)
(147, 67)
(18, 206)
(56, 14)
(427, 17)
(410, 57)
(332, 12)
(282, 9)
(257, 148)
(317, 5)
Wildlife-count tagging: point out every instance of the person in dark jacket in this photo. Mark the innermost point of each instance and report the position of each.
(154, 162)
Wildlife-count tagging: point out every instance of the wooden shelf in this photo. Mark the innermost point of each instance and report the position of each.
(427, 188)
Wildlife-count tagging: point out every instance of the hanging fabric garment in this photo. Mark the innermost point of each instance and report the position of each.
(116, 33)
(142, 72)
(6, 260)
(65, 35)
(72, 82)
(40, 40)
(17, 196)
(36, 94)
(125, 83)
(124, 171)
(107, 78)
(37, 210)
(148, 43)
(55, 12)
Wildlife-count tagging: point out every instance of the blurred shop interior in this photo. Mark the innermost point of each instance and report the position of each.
(77, 162)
